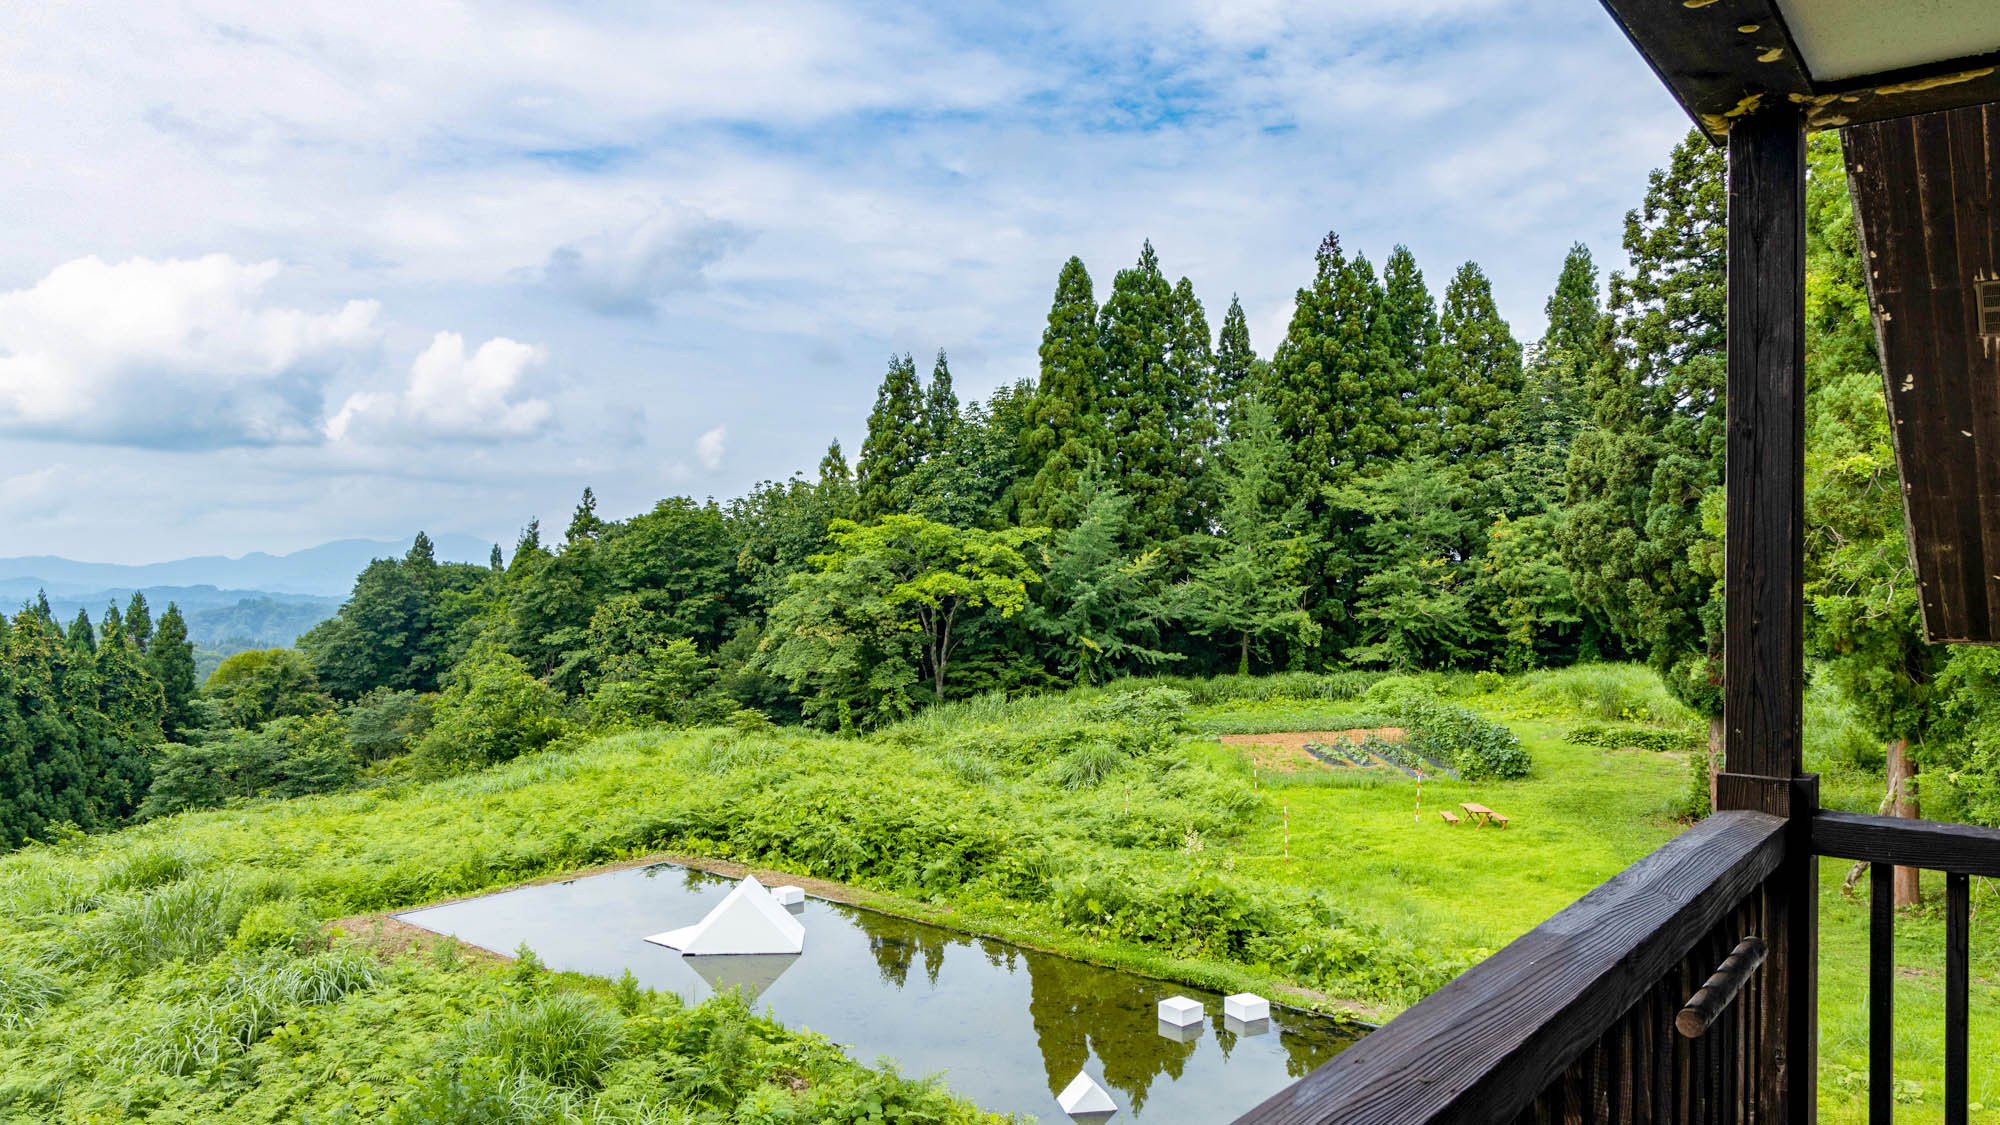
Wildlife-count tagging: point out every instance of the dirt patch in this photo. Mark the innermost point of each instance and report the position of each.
(1285, 751)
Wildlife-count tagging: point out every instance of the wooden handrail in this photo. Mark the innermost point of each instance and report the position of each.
(1719, 991)
(1962, 849)
(1485, 1045)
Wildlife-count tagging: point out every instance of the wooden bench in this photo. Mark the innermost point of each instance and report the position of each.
(1449, 818)
(1496, 820)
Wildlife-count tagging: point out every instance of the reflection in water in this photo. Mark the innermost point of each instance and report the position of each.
(1006, 1027)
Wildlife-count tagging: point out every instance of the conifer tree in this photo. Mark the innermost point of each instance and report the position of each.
(496, 562)
(1633, 537)
(139, 621)
(1410, 326)
(583, 524)
(1330, 386)
(1250, 593)
(1554, 404)
(1066, 424)
(940, 408)
(170, 658)
(1235, 361)
(895, 441)
(1136, 327)
(81, 637)
(1103, 600)
(1475, 380)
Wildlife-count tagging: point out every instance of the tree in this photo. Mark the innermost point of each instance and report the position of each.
(897, 433)
(1554, 403)
(257, 686)
(583, 523)
(491, 711)
(81, 637)
(885, 593)
(1864, 621)
(940, 408)
(170, 658)
(1250, 589)
(1101, 603)
(1473, 380)
(1410, 327)
(1150, 391)
(1419, 527)
(139, 621)
(1634, 538)
(1235, 363)
(1066, 425)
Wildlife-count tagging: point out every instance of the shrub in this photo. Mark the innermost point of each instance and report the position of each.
(492, 712)
(283, 924)
(1475, 746)
(1641, 738)
(566, 1039)
(1087, 765)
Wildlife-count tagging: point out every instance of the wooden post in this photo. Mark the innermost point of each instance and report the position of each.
(1764, 579)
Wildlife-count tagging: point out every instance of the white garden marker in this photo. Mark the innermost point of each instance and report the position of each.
(1084, 1096)
(1246, 1007)
(788, 895)
(747, 921)
(1180, 1011)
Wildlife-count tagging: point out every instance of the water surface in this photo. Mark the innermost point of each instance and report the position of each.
(1004, 1026)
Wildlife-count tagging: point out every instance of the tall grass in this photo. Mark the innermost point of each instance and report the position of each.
(566, 1039)
(189, 921)
(1618, 693)
(25, 992)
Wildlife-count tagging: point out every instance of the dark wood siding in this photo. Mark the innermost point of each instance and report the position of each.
(1924, 192)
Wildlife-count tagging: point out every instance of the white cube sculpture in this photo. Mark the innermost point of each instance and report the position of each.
(1246, 1007)
(1084, 1096)
(1180, 1011)
(788, 896)
(747, 921)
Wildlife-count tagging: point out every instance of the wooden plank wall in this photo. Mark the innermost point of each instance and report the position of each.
(1925, 195)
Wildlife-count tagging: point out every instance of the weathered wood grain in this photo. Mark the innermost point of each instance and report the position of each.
(1884, 840)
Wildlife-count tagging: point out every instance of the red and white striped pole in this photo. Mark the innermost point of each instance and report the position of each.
(1286, 805)
(1420, 796)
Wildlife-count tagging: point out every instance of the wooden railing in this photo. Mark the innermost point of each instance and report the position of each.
(1573, 1021)
(1886, 843)
(1646, 1000)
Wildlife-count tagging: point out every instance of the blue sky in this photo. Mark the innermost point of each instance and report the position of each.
(277, 274)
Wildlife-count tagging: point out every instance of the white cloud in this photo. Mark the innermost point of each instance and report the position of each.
(708, 449)
(451, 396)
(178, 353)
(629, 273)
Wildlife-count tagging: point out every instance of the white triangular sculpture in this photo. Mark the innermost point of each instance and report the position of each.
(1084, 1096)
(747, 921)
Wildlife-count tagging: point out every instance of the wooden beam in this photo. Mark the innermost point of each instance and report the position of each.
(1485, 1046)
(1764, 578)
(1892, 841)
(1764, 545)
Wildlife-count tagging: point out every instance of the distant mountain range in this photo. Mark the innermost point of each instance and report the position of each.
(257, 601)
(326, 571)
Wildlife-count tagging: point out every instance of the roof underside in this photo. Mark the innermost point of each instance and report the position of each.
(1927, 195)
(1841, 61)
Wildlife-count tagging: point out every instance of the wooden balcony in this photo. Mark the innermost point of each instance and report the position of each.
(1614, 1010)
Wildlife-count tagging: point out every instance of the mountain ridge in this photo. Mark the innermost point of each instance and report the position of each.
(326, 570)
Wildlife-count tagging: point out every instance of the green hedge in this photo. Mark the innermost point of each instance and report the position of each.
(1642, 738)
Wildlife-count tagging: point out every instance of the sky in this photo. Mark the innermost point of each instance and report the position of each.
(275, 274)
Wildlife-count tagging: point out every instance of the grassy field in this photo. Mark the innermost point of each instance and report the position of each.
(1112, 825)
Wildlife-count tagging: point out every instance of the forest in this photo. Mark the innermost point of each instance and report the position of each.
(1399, 484)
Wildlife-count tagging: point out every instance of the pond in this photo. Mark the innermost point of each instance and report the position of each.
(1004, 1026)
